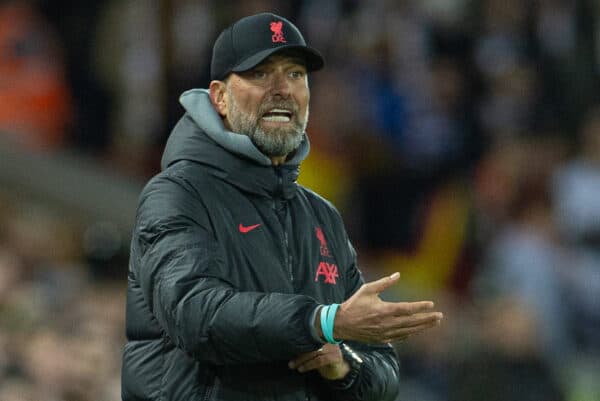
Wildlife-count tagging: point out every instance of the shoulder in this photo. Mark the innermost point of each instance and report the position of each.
(326, 212)
(317, 201)
(181, 177)
(173, 193)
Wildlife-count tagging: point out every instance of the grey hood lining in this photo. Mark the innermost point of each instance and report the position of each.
(199, 107)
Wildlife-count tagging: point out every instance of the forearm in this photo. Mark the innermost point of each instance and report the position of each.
(184, 283)
(224, 326)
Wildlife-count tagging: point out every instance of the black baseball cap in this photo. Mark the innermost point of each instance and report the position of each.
(250, 40)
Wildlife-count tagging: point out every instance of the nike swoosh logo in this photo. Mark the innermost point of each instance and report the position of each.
(247, 229)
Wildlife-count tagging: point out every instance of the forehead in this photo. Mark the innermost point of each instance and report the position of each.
(284, 57)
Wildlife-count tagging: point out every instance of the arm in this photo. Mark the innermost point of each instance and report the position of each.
(180, 272)
(367, 324)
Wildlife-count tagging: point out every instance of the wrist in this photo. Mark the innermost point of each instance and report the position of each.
(352, 367)
(343, 370)
(338, 328)
(337, 371)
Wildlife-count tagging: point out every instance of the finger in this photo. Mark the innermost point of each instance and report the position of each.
(375, 287)
(414, 320)
(318, 362)
(299, 360)
(409, 308)
(401, 334)
(399, 327)
(405, 325)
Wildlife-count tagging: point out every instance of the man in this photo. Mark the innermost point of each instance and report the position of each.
(242, 283)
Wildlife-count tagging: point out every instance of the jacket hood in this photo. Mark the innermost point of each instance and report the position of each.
(200, 136)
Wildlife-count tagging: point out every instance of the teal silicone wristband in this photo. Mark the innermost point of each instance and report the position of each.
(329, 321)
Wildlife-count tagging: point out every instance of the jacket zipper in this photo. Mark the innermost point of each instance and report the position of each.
(288, 256)
(284, 225)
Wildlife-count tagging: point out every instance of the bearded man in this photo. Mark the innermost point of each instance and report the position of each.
(243, 285)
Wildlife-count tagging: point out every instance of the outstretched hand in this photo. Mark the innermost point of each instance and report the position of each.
(367, 318)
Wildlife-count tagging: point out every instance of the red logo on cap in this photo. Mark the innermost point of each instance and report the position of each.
(277, 29)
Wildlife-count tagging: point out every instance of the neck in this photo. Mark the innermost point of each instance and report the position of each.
(278, 160)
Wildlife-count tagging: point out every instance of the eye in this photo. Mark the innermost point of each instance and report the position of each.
(297, 74)
(258, 74)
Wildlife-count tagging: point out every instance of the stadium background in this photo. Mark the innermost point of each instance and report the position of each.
(460, 140)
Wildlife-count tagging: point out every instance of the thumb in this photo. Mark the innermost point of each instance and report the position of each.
(375, 287)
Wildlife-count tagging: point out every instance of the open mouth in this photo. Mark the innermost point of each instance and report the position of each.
(278, 115)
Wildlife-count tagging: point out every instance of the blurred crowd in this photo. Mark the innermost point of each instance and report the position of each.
(460, 140)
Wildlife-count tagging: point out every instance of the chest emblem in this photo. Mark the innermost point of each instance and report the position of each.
(329, 271)
(321, 237)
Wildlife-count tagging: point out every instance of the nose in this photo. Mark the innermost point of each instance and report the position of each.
(280, 86)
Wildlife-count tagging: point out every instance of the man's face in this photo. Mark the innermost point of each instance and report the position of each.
(269, 104)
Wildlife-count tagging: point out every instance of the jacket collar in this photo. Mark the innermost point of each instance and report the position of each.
(201, 137)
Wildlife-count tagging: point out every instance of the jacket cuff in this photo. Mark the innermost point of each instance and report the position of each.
(311, 324)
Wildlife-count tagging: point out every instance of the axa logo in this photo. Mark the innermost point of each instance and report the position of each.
(277, 29)
(329, 271)
(321, 237)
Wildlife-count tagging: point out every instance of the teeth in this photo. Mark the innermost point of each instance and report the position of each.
(277, 115)
(277, 118)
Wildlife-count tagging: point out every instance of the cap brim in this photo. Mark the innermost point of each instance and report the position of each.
(314, 60)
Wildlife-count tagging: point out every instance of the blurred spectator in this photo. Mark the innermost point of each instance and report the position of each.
(60, 332)
(577, 195)
(506, 366)
(74, 23)
(35, 103)
(146, 53)
(524, 263)
(578, 187)
(129, 61)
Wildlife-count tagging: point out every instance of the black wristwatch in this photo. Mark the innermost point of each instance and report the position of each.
(350, 356)
(355, 363)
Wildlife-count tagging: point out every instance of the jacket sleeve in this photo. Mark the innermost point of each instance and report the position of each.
(202, 313)
(377, 378)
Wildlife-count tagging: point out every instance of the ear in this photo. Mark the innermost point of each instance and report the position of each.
(217, 91)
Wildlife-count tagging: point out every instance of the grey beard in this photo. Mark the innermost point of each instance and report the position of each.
(274, 143)
(278, 142)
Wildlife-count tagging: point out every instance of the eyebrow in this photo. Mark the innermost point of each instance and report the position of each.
(291, 59)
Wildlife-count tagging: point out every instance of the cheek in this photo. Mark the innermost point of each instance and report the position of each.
(304, 101)
(248, 103)
(242, 96)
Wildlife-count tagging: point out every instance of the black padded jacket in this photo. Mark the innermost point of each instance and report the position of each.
(229, 259)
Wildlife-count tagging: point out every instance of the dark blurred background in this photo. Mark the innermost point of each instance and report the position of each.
(460, 140)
